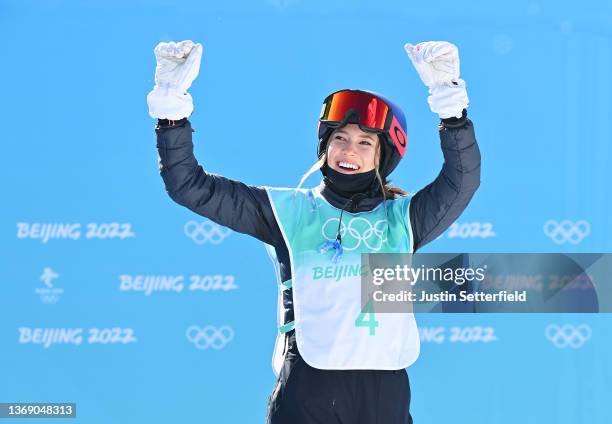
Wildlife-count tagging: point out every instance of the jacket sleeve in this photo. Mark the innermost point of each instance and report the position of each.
(243, 208)
(435, 207)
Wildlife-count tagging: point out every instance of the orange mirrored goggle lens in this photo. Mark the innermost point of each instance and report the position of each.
(372, 111)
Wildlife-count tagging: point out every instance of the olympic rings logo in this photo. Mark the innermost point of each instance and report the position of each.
(567, 231)
(359, 230)
(206, 231)
(210, 336)
(568, 335)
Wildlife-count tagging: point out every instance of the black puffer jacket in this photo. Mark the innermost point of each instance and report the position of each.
(432, 209)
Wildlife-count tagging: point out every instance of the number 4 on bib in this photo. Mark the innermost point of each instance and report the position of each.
(370, 321)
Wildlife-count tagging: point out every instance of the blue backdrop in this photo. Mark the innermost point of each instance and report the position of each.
(114, 297)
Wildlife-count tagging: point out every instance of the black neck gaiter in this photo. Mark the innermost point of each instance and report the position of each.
(347, 185)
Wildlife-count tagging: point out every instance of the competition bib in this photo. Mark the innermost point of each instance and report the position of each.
(333, 330)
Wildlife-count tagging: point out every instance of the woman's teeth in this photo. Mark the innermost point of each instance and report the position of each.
(347, 165)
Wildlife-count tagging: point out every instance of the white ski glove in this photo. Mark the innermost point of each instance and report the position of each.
(178, 65)
(437, 63)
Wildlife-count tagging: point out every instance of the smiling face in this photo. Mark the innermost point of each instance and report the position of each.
(351, 150)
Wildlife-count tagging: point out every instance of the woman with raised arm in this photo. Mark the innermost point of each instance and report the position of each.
(335, 362)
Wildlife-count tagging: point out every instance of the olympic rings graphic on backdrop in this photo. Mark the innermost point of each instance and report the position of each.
(567, 231)
(206, 231)
(210, 336)
(568, 335)
(359, 229)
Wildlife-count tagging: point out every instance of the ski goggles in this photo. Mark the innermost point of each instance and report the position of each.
(373, 114)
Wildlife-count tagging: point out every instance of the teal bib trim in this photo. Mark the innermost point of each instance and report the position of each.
(286, 285)
(286, 327)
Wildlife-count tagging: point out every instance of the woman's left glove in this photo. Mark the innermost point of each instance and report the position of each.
(178, 64)
(437, 63)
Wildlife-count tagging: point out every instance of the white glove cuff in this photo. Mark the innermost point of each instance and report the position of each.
(448, 100)
(167, 101)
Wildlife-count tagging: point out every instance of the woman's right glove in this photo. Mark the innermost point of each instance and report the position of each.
(178, 65)
(437, 63)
